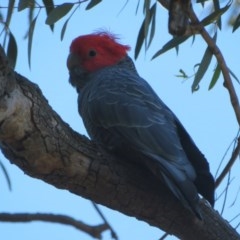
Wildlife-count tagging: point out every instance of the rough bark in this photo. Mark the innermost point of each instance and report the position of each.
(34, 137)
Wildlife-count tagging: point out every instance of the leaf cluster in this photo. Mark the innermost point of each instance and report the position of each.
(213, 20)
(55, 12)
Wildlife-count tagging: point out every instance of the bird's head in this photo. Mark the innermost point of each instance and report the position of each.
(89, 53)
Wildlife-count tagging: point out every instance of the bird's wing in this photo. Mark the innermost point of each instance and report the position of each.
(130, 110)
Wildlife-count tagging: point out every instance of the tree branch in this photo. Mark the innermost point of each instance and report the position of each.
(227, 83)
(34, 138)
(93, 231)
(113, 233)
(221, 61)
(195, 27)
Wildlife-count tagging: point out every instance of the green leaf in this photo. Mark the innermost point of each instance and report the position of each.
(23, 4)
(236, 23)
(137, 7)
(92, 4)
(8, 20)
(215, 15)
(215, 77)
(140, 40)
(12, 50)
(49, 6)
(142, 34)
(58, 12)
(233, 75)
(216, 5)
(9, 12)
(193, 39)
(207, 57)
(6, 176)
(147, 20)
(153, 23)
(30, 38)
(174, 42)
(64, 29)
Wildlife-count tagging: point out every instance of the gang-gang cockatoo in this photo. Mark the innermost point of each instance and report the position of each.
(123, 114)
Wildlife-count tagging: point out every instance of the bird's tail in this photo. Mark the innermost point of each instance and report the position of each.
(177, 181)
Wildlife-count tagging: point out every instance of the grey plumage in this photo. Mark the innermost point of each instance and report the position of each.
(122, 113)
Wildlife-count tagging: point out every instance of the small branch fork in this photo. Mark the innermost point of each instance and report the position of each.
(195, 27)
(113, 233)
(93, 231)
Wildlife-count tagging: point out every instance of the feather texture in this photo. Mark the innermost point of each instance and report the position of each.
(122, 113)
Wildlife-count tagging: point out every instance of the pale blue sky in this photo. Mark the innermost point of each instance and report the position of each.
(207, 115)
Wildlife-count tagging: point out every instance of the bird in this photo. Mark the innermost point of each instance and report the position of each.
(124, 115)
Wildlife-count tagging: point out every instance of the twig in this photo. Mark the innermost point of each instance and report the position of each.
(225, 154)
(229, 164)
(113, 233)
(94, 231)
(223, 191)
(234, 218)
(226, 193)
(163, 236)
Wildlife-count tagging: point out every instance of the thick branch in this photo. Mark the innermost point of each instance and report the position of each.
(35, 138)
(93, 231)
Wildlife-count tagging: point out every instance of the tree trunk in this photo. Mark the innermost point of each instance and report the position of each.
(34, 137)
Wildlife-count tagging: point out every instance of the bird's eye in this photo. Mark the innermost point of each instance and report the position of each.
(92, 53)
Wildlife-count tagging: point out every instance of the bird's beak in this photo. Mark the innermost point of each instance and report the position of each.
(72, 61)
(76, 72)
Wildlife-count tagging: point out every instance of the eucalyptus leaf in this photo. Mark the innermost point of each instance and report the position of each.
(147, 20)
(92, 4)
(216, 5)
(236, 23)
(23, 4)
(64, 29)
(215, 77)
(233, 75)
(142, 34)
(153, 23)
(9, 12)
(140, 39)
(12, 50)
(58, 12)
(215, 16)
(207, 57)
(174, 42)
(49, 6)
(30, 38)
